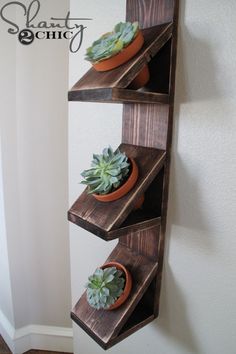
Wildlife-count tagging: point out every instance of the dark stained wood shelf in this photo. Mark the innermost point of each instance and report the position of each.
(116, 95)
(105, 326)
(112, 86)
(147, 125)
(112, 220)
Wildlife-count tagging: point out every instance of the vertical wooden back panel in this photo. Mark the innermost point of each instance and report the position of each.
(151, 125)
(150, 12)
(146, 124)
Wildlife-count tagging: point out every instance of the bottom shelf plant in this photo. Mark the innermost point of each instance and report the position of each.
(109, 287)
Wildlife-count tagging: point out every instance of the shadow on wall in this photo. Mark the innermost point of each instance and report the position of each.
(185, 207)
(196, 75)
(195, 55)
(173, 320)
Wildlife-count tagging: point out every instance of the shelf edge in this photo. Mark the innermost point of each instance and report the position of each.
(140, 226)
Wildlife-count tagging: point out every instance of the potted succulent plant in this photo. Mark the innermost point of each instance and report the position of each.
(116, 48)
(109, 287)
(111, 176)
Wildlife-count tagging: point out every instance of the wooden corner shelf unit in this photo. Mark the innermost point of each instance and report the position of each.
(146, 136)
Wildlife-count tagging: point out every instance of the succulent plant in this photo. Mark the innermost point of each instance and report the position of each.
(108, 171)
(112, 43)
(104, 287)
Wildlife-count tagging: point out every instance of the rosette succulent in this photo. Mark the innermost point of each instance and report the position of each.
(112, 43)
(108, 171)
(104, 287)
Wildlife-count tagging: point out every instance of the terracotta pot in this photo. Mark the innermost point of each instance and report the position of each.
(128, 284)
(141, 79)
(139, 202)
(124, 189)
(125, 55)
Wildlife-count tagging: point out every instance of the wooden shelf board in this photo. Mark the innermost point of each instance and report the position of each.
(133, 227)
(140, 319)
(105, 326)
(103, 86)
(115, 95)
(103, 219)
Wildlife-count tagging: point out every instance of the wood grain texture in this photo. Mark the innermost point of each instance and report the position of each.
(3, 347)
(122, 76)
(134, 227)
(151, 125)
(97, 217)
(115, 95)
(103, 325)
(140, 324)
(150, 12)
(145, 242)
(168, 159)
(145, 125)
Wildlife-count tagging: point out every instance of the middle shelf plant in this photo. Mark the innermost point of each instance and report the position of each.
(98, 217)
(111, 176)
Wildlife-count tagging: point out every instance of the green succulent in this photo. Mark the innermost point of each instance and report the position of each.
(104, 287)
(108, 171)
(112, 43)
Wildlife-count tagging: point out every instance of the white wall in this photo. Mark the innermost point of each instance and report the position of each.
(91, 127)
(198, 296)
(5, 295)
(34, 119)
(7, 73)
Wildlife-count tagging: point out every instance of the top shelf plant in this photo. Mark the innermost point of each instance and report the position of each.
(116, 48)
(118, 85)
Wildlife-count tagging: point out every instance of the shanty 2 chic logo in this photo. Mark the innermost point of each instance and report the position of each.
(69, 28)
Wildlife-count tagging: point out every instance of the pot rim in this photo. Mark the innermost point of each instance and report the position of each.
(124, 188)
(128, 283)
(123, 56)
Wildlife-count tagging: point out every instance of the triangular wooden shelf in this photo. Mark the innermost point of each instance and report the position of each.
(106, 219)
(111, 86)
(105, 326)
